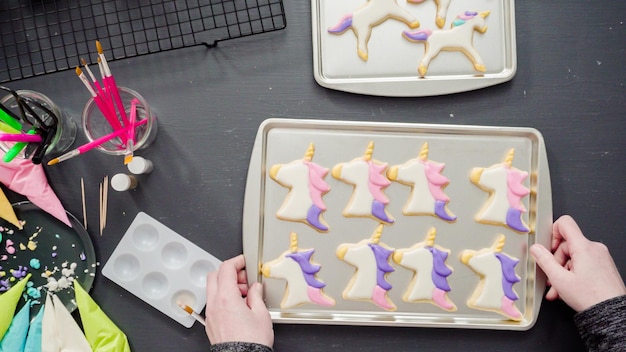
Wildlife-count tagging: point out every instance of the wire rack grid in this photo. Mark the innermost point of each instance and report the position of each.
(39, 37)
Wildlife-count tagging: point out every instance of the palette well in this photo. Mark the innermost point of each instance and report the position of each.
(161, 267)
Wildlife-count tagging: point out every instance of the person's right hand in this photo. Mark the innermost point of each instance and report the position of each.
(581, 272)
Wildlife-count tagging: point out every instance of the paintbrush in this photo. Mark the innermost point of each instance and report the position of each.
(96, 142)
(190, 311)
(102, 105)
(130, 143)
(111, 86)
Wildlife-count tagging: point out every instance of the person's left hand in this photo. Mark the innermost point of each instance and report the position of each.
(234, 311)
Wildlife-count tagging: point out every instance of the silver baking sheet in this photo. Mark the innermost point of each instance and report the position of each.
(461, 148)
(390, 67)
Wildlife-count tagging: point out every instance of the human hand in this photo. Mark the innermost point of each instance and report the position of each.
(581, 272)
(234, 311)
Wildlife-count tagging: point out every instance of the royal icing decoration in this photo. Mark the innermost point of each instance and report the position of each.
(305, 180)
(371, 259)
(505, 186)
(373, 13)
(458, 38)
(427, 184)
(295, 266)
(430, 281)
(368, 178)
(497, 277)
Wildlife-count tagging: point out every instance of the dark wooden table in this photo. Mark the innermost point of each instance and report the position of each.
(210, 102)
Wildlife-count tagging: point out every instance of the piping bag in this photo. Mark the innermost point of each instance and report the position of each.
(28, 179)
(101, 333)
(8, 304)
(15, 337)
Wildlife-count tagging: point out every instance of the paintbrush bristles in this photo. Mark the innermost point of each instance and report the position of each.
(185, 307)
(99, 47)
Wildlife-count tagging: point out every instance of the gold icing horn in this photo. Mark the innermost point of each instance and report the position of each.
(485, 14)
(498, 244)
(293, 239)
(430, 238)
(377, 233)
(308, 156)
(424, 151)
(369, 151)
(508, 160)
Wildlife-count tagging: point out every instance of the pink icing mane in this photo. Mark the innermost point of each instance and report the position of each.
(436, 180)
(515, 188)
(377, 181)
(317, 185)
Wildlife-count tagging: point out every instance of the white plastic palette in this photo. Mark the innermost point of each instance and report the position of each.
(162, 268)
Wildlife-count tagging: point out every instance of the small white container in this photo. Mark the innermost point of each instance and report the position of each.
(123, 182)
(140, 166)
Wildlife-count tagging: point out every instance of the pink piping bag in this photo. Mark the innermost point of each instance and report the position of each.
(24, 177)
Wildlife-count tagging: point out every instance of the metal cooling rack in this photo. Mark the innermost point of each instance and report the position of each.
(39, 37)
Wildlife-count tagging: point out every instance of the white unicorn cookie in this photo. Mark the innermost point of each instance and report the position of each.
(373, 13)
(295, 266)
(458, 38)
(305, 180)
(371, 259)
(497, 277)
(430, 280)
(367, 175)
(427, 184)
(505, 185)
(442, 10)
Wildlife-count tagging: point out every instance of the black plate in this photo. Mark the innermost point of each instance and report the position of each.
(56, 244)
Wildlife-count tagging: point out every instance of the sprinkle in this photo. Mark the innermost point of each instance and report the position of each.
(22, 246)
(54, 254)
(54, 248)
(83, 256)
(35, 264)
(32, 245)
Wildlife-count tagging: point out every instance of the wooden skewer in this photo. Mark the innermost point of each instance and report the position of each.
(82, 193)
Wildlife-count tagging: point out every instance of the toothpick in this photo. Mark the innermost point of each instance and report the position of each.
(106, 199)
(82, 193)
(100, 208)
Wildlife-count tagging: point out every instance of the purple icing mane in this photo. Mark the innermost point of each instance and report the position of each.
(509, 278)
(440, 270)
(308, 269)
(381, 255)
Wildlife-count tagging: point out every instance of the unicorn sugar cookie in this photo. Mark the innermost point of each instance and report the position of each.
(371, 259)
(497, 277)
(505, 185)
(430, 281)
(427, 184)
(305, 180)
(296, 267)
(367, 176)
(458, 38)
(442, 10)
(373, 13)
